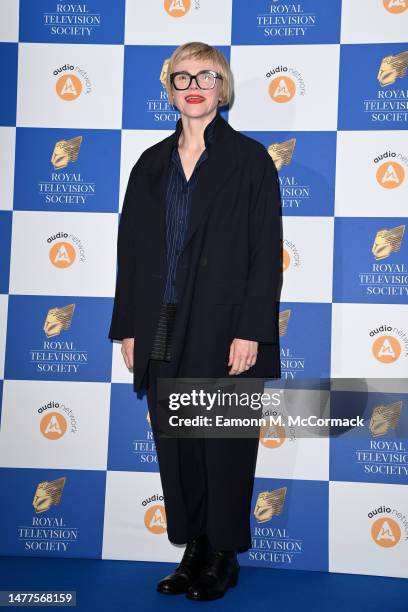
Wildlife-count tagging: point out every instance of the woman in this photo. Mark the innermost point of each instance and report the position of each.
(196, 296)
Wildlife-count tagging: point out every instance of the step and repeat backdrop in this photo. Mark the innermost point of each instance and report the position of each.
(324, 86)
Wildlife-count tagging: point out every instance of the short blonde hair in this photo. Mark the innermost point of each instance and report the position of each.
(202, 51)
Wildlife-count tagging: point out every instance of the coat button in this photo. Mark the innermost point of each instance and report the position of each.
(203, 261)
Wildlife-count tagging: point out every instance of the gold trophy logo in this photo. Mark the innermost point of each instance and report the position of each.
(58, 319)
(163, 73)
(283, 321)
(269, 504)
(385, 418)
(65, 151)
(387, 241)
(282, 152)
(392, 67)
(48, 494)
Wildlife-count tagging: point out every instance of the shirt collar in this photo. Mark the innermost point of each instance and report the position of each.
(209, 131)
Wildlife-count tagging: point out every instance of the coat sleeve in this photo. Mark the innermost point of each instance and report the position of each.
(258, 316)
(122, 316)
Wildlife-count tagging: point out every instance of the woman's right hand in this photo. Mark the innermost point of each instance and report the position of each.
(127, 351)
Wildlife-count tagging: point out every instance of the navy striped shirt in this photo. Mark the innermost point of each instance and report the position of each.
(178, 203)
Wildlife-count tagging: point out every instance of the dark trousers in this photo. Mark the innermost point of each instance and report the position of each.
(207, 482)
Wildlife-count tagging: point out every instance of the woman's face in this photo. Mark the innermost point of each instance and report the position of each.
(208, 98)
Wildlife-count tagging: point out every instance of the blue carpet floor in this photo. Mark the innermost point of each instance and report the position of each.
(121, 586)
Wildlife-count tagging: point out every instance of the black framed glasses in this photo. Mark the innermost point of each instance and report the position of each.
(205, 79)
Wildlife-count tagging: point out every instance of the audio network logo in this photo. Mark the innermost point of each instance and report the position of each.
(395, 6)
(72, 82)
(389, 528)
(287, 82)
(66, 250)
(390, 343)
(155, 515)
(290, 256)
(390, 174)
(271, 435)
(57, 418)
(177, 8)
(180, 8)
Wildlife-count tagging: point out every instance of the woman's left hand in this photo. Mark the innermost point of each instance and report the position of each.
(242, 355)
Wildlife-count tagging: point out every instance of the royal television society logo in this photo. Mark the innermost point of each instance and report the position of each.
(154, 514)
(145, 448)
(66, 249)
(271, 543)
(47, 533)
(58, 356)
(386, 278)
(159, 106)
(63, 187)
(293, 195)
(382, 456)
(71, 82)
(57, 420)
(286, 20)
(71, 19)
(389, 169)
(291, 365)
(390, 102)
(286, 83)
(388, 526)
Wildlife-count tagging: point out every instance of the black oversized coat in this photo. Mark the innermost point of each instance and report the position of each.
(229, 269)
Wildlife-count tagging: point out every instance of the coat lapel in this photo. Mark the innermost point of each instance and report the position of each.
(214, 173)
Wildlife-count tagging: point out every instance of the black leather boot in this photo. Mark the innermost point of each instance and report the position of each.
(220, 573)
(195, 557)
